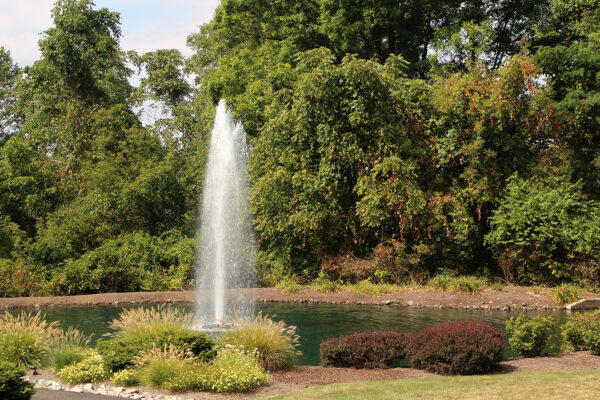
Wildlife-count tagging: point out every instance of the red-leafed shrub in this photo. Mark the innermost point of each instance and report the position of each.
(380, 349)
(453, 348)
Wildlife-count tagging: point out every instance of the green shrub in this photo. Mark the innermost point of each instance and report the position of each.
(12, 385)
(591, 338)
(126, 377)
(566, 293)
(25, 338)
(574, 330)
(232, 371)
(529, 337)
(90, 369)
(141, 329)
(545, 230)
(276, 343)
(119, 353)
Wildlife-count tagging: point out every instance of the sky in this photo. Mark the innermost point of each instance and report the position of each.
(146, 25)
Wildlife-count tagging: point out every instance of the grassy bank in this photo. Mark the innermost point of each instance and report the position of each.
(542, 385)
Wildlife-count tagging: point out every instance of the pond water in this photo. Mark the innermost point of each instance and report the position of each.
(317, 322)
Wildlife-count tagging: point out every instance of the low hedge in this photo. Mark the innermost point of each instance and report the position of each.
(379, 349)
(452, 348)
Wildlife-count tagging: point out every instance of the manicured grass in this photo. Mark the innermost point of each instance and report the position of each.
(573, 385)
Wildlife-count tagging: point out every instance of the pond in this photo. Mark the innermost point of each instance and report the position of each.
(317, 322)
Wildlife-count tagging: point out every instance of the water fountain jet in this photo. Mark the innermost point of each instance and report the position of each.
(226, 249)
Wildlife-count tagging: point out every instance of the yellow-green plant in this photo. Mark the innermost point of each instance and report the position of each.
(276, 342)
(90, 369)
(126, 377)
(25, 338)
(231, 371)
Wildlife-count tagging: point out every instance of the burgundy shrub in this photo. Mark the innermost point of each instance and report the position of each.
(452, 348)
(379, 349)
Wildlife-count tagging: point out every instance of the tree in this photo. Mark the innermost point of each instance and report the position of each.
(10, 121)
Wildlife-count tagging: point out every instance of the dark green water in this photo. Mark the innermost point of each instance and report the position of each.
(316, 322)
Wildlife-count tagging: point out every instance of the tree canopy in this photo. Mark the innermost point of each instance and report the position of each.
(406, 136)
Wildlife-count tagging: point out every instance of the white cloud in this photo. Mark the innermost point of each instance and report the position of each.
(146, 24)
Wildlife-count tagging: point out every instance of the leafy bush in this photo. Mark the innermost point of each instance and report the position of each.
(275, 342)
(575, 332)
(566, 293)
(141, 329)
(381, 349)
(448, 281)
(232, 371)
(90, 369)
(546, 230)
(126, 377)
(454, 348)
(529, 337)
(25, 338)
(119, 353)
(12, 385)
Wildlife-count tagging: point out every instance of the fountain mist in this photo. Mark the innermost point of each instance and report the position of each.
(226, 252)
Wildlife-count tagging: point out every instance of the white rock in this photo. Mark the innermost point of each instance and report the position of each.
(119, 390)
(88, 387)
(55, 386)
(135, 396)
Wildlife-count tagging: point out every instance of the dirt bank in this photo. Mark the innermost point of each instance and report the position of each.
(510, 297)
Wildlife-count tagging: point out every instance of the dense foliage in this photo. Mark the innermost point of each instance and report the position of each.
(12, 385)
(380, 349)
(582, 332)
(529, 336)
(404, 136)
(454, 348)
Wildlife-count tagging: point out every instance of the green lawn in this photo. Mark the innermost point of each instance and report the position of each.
(571, 385)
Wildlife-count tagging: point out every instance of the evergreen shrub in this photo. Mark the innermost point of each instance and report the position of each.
(379, 349)
(456, 348)
(12, 385)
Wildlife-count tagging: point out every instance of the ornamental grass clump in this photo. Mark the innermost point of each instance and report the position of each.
(68, 347)
(25, 338)
(456, 348)
(380, 349)
(566, 293)
(276, 342)
(529, 337)
(137, 322)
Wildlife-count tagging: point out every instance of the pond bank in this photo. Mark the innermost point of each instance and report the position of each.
(509, 298)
